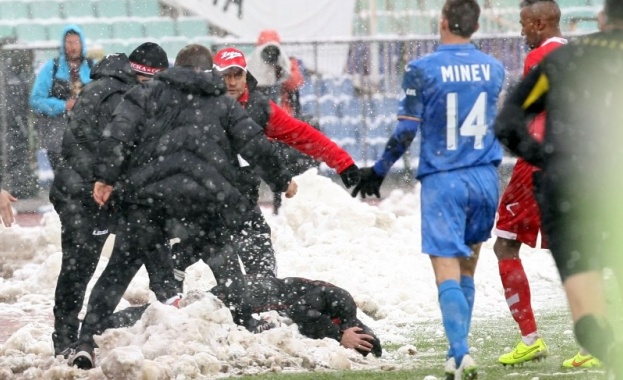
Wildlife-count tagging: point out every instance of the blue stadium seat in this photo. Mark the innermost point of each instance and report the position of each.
(173, 46)
(116, 46)
(111, 8)
(12, 10)
(128, 28)
(164, 27)
(143, 8)
(7, 30)
(31, 32)
(78, 8)
(44, 9)
(55, 30)
(96, 30)
(191, 27)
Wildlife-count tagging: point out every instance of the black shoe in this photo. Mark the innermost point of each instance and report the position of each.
(83, 358)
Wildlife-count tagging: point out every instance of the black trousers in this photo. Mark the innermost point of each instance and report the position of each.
(253, 245)
(84, 230)
(209, 240)
(141, 238)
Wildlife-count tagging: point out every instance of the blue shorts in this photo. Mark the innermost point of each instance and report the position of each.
(458, 210)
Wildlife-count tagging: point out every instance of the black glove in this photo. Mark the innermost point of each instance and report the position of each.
(369, 184)
(350, 176)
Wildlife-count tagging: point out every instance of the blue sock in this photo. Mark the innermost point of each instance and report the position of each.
(454, 314)
(469, 290)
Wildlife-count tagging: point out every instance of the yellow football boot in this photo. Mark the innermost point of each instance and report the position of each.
(582, 361)
(524, 353)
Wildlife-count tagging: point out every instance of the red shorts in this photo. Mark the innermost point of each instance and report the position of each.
(519, 216)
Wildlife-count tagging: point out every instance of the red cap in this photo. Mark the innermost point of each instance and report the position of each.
(229, 57)
(268, 35)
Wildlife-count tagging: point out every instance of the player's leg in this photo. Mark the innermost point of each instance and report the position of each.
(518, 222)
(444, 199)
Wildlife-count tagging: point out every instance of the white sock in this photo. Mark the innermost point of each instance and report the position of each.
(530, 339)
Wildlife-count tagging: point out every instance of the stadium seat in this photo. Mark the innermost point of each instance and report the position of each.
(111, 8)
(31, 32)
(115, 46)
(44, 9)
(191, 27)
(143, 8)
(173, 46)
(78, 8)
(125, 29)
(164, 27)
(12, 10)
(55, 30)
(96, 30)
(7, 30)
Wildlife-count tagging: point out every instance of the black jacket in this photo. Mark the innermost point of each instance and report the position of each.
(258, 107)
(174, 143)
(112, 77)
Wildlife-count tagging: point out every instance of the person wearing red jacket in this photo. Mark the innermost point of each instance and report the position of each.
(519, 217)
(257, 254)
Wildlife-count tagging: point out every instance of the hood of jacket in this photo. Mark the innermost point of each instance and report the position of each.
(72, 28)
(114, 66)
(191, 81)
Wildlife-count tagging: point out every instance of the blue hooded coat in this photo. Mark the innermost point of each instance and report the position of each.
(48, 105)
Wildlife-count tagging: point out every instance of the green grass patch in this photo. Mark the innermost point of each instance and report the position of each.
(488, 340)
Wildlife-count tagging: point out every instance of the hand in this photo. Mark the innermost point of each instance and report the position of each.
(6, 210)
(292, 189)
(69, 104)
(101, 192)
(369, 184)
(350, 176)
(352, 338)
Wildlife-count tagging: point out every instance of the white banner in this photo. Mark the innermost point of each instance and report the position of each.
(292, 19)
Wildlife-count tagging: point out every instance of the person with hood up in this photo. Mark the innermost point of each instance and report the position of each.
(257, 255)
(84, 225)
(56, 89)
(278, 76)
(175, 142)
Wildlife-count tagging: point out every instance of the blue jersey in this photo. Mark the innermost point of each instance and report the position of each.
(452, 96)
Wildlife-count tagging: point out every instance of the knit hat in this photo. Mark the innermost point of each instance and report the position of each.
(148, 59)
(229, 57)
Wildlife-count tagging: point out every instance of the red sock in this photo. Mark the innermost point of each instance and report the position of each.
(517, 293)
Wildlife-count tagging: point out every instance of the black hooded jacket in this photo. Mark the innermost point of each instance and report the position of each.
(112, 78)
(174, 144)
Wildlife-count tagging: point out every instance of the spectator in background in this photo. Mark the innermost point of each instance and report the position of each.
(84, 225)
(56, 89)
(278, 76)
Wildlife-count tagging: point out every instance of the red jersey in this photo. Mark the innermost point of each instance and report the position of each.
(537, 126)
(302, 137)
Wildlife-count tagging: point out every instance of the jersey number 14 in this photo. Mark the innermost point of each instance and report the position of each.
(474, 125)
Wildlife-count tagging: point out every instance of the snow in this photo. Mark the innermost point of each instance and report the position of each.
(323, 233)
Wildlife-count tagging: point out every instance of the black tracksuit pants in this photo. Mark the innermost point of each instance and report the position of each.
(84, 230)
(141, 239)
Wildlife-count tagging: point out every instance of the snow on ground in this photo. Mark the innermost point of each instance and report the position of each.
(323, 233)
